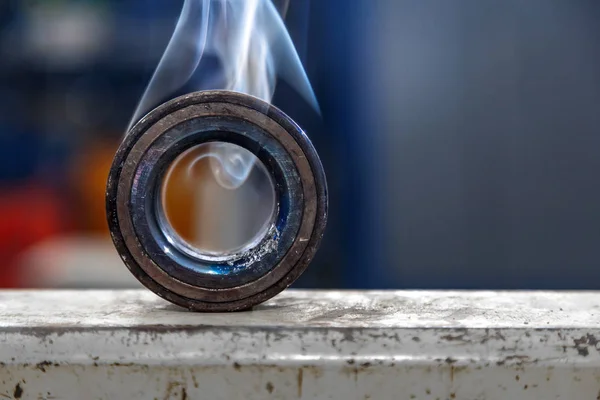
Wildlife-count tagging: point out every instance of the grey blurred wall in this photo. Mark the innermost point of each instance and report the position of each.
(486, 120)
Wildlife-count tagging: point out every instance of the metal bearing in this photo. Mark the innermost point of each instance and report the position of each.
(158, 259)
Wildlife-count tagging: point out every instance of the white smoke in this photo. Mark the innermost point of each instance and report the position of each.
(248, 47)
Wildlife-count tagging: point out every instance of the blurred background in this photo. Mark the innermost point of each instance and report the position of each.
(461, 139)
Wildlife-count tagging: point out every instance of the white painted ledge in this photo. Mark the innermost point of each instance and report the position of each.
(302, 345)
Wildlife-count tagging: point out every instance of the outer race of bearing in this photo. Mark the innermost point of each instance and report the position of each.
(137, 223)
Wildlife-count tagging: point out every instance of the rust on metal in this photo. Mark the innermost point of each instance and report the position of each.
(251, 276)
(302, 345)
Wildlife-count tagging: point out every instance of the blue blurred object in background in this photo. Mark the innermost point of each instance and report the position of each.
(460, 139)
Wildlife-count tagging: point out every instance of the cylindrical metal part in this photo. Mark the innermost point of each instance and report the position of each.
(167, 265)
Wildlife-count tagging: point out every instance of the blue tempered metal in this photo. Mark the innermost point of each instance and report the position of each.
(146, 210)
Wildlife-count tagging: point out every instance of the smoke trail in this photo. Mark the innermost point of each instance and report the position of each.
(239, 45)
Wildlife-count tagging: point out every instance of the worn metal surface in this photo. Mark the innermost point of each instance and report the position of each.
(302, 345)
(137, 222)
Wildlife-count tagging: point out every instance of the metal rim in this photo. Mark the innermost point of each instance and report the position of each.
(197, 118)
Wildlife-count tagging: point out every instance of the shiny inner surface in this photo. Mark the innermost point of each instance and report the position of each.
(218, 200)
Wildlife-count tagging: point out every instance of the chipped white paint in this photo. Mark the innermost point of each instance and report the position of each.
(302, 344)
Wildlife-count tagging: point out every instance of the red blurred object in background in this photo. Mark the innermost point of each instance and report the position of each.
(29, 214)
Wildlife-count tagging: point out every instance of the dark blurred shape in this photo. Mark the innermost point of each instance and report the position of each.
(488, 132)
